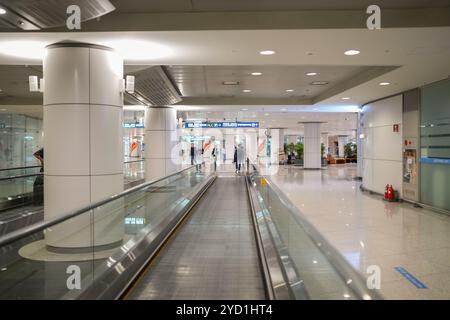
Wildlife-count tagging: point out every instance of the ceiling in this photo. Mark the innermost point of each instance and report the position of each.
(207, 81)
(141, 15)
(334, 123)
(139, 6)
(416, 56)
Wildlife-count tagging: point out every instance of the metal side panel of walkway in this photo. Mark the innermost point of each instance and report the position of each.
(213, 255)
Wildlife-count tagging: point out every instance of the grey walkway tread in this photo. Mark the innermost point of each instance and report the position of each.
(213, 255)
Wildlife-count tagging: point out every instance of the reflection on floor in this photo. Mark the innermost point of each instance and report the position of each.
(369, 231)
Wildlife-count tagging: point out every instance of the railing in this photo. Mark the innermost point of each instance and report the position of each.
(47, 224)
(17, 189)
(311, 268)
(106, 242)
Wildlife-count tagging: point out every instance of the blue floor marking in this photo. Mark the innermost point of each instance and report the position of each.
(410, 278)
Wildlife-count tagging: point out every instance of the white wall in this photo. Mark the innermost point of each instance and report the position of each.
(381, 147)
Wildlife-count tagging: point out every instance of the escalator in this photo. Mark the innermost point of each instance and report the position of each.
(195, 234)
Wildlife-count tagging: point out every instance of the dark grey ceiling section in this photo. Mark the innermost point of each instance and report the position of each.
(166, 6)
(42, 14)
(155, 87)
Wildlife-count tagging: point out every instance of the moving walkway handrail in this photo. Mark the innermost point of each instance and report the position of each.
(20, 168)
(344, 269)
(40, 226)
(22, 176)
(41, 173)
(133, 161)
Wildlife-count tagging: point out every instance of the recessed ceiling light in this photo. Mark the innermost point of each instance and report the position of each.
(345, 98)
(284, 109)
(267, 52)
(244, 109)
(351, 52)
(290, 90)
(2, 11)
(230, 83)
(256, 73)
(246, 90)
(311, 74)
(384, 83)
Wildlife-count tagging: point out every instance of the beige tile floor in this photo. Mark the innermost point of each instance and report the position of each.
(369, 231)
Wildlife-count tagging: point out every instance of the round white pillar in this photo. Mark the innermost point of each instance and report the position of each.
(274, 146)
(312, 154)
(342, 141)
(83, 143)
(161, 149)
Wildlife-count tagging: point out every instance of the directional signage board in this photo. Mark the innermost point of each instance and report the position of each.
(189, 125)
(133, 125)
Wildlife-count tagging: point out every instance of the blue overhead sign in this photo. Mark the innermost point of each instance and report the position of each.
(133, 125)
(189, 125)
(435, 161)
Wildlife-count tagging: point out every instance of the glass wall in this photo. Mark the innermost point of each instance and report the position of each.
(20, 137)
(435, 144)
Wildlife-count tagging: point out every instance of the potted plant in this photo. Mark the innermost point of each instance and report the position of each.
(299, 154)
(322, 151)
(350, 152)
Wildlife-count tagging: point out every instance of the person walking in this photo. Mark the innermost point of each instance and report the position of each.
(192, 154)
(235, 158)
(38, 185)
(240, 157)
(214, 157)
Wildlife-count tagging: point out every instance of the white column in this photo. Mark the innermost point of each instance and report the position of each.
(312, 156)
(274, 145)
(83, 143)
(229, 147)
(342, 141)
(252, 147)
(161, 148)
(262, 143)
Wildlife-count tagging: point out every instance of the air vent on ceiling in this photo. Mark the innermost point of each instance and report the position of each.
(153, 86)
(319, 83)
(41, 14)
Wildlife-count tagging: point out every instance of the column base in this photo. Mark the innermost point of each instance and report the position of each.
(75, 250)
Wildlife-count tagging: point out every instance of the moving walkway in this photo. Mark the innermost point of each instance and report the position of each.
(195, 234)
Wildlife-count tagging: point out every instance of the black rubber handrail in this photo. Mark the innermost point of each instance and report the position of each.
(20, 168)
(41, 173)
(38, 166)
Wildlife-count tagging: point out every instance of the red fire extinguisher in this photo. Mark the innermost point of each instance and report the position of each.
(386, 195)
(390, 193)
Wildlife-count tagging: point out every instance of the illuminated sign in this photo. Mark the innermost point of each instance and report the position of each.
(193, 125)
(133, 125)
(135, 220)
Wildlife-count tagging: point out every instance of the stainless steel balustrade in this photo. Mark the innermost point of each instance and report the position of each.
(301, 263)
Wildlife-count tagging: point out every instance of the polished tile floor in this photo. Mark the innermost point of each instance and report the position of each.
(369, 231)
